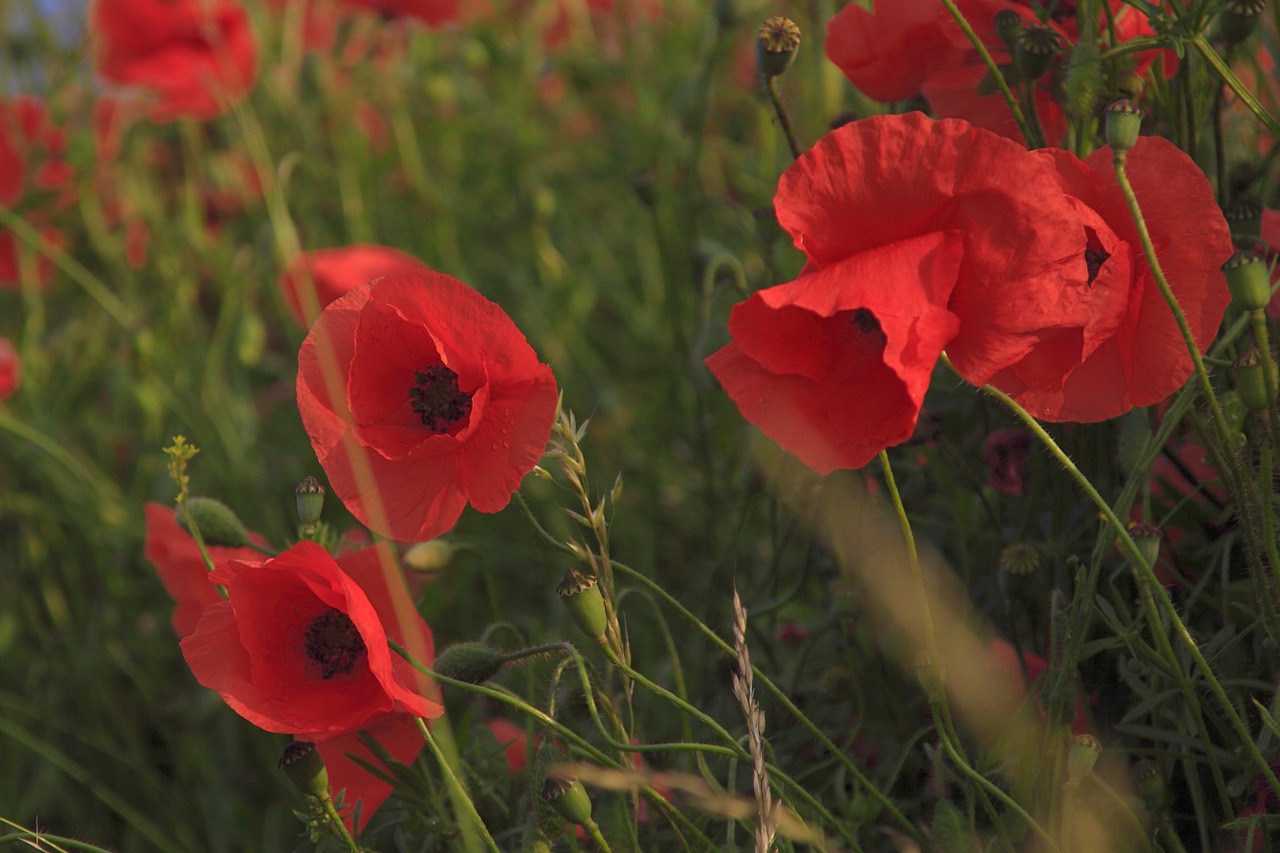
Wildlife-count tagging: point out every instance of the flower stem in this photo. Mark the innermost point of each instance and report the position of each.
(457, 791)
(337, 824)
(1033, 139)
(771, 86)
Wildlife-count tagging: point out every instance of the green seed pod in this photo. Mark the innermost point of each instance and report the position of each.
(1244, 218)
(1248, 281)
(474, 663)
(1037, 47)
(582, 597)
(309, 496)
(1019, 559)
(568, 798)
(217, 524)
(1008, 27)
(1238, 19)
(1147, 537)
(1251, 383)
(1124, 120)
(776, 45)
(1081, 758)
(302, 763)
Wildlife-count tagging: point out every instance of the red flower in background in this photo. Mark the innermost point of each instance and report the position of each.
(513, 741)
(1005, 452)
(195, 57)
(1129, 351)
(1001, 658)
(10, 368)
(182, 571)
(420, 396)
(300, 644)
(334, 272)
(35, 178)
(430, 12)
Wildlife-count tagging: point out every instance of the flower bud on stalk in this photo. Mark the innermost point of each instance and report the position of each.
(1248, 281)
(309, 498)
(217, 523)
(302, 763)
(1124, 120)
(474, 663)
(581, 595)
(776, 46)
(1251, 383)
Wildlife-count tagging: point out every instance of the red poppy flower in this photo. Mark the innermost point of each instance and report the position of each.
(1002, 659)
(398, 734)
(514, 743)
(196, 57)
(1128, 351)
(300, 644)
(430, 12)
(10, 368)
(420, 396)
(334, 272)
(182, 571)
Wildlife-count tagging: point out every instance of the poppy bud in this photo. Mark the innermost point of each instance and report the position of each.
(582, 597)
(1248, 281)
(776, 45)
(1147, 537)
(1131, 85)
(1250, 381)
(1008, 27)
(535, 840)
(1124, 120)
(568, 798)
(1238, 19)
(474, 663)
(309, 496)
(217, 523)
(1244, 218)
(302, 763)
(1081, 758)
(1037, 46)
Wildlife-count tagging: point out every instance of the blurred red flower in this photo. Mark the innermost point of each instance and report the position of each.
(430, 12)
(334, 272)
(177, 561)
(1128, 350)
(195, 57)
(35, 178)
(1003, 659)
(834, 365)
(514, 743)
(420, 396)
(300, 644)
(1005, 452)
(10, 368)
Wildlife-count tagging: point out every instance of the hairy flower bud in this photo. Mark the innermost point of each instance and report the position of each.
(474, 663)
(217, 523)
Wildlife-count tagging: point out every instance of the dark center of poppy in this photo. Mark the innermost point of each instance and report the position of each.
(436, 398)
(1094, 255)
(866, 323)
(333, 642)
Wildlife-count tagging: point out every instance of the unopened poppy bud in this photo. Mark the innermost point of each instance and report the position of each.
(429, 557)
(1008, 27)
(1130, 85)
(1238, 19)
(568, 798)
(1149, 781)
(1248, 281)
(535, 840)
(302, 763)
(776, 45)
(1081, 758)
(474, 663)
(1019, 559)
(1250, 381)
(1147, 537)
(217, 523)
(1037, 46)
(1244, 218)
(581, 595)
(309, 496)
(1124, 120)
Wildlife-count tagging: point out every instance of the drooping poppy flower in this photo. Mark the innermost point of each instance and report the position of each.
(333, 272)
(1129, 351)
(833, 366)
(420, 397)
(177, 561)
(10, 368)
(300, 644)
(195, 57)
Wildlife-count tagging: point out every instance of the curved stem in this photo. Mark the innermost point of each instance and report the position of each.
(1033, 141)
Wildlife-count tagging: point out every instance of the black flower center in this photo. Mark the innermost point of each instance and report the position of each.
(1094, 255)
(866, 323)
(333, 642)
(436, 398)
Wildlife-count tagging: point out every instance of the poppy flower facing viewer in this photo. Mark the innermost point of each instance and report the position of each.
(420, 397)
(334, 272)
(196, 57)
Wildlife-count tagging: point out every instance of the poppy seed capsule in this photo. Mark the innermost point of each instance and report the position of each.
(1147, 537)
(1248, 281)
(581, 595)
(1250, 382)
(309, 497)
(1244, 218)
(302, 763)
(217, 523)
(1008, 27)
(474, 663)
(1081, 758)
(1124, 120)
(568, 798)
(1037, 45)
(1238, 19)
(776, 45)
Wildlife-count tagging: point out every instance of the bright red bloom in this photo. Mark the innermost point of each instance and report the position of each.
(300, 644)
(334, 272)
(177, 560)
(196, 57)
(834, 366)
(1128, 351)
(10, 368)
(420, 396)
